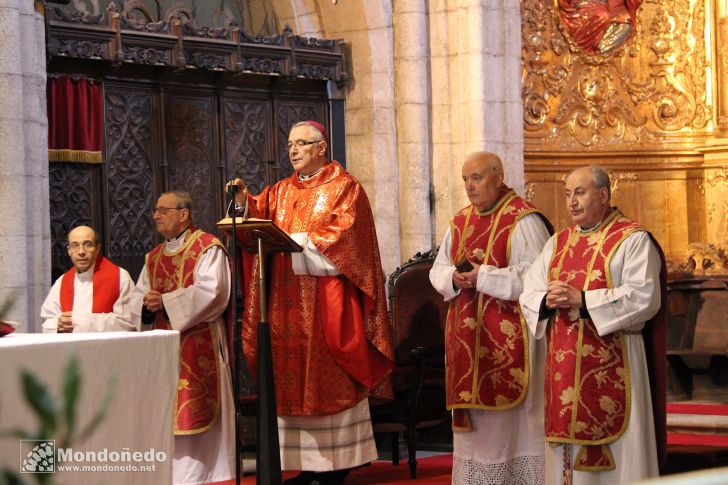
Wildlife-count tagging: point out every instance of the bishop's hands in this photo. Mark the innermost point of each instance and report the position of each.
(560, 294)
(241, 193)
(467, 280)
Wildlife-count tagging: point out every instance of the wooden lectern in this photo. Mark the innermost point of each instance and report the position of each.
(262, 237)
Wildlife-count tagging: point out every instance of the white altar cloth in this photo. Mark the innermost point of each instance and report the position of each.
(134, 443)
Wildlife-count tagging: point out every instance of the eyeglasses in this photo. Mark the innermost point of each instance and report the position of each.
(301, 143)
(86, 245)
(164, 210)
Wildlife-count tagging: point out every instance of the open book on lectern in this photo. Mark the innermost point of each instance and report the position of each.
(250, 230)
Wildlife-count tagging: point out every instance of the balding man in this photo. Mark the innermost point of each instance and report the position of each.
(93, 296)
(590, 293)
(492, 381)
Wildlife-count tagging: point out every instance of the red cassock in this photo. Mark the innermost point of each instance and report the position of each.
(330, 335)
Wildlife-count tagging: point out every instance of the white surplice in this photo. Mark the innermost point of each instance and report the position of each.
(84, 320)
(208, 456)
(505, 447)
(634, 299)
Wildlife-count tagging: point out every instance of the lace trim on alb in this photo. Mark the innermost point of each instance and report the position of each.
(522, 470)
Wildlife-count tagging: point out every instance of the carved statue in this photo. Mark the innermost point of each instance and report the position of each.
(598, 26)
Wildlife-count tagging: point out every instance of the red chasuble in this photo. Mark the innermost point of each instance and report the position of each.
(198, 393)
(105, 284)
(346, 314)
(486, 341)
(587, 398)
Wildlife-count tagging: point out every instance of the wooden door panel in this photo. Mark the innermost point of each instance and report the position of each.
(132, 172)
(247, 140)
(75, 200)
(193, 155)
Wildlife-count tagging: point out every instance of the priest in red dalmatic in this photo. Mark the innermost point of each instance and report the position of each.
(595, 294)
(185, 286)
(330, 334)
(492, 366)
(93, 296)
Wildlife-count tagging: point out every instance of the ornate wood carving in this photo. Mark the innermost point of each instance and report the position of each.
(72, 202)
(191, 155)
(207, 60)
(263, 66)
(130, 173)
(316, 71)
(138, 36)
(147, 55)
(247, 127)
(648, 91)
(84, 49)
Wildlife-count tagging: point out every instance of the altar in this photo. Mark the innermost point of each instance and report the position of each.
(133, 443)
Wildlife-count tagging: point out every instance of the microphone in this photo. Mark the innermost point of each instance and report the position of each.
(232, 188)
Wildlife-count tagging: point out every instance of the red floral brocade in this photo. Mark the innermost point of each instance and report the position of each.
(486, 342)
(587, 397)
(198, 393)
(308, 315)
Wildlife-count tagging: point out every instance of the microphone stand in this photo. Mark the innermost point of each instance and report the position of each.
(232, 190)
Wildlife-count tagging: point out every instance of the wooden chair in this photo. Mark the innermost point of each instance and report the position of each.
(417, 314)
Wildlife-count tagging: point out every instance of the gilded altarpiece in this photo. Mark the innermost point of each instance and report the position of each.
(644, 96)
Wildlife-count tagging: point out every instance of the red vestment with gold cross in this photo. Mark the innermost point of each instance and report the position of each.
(587, 398)
(330, 335)
(198, 393)
(486, 342)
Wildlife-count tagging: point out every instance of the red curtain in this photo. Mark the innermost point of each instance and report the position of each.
(75, 121)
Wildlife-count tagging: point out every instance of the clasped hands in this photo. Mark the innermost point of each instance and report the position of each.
(466, 280)
(65, 323)
(560, 294)
(153, 301)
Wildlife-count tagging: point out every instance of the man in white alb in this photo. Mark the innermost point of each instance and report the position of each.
(494, 386)
(185, 286)
(590, 293)
(92, 296)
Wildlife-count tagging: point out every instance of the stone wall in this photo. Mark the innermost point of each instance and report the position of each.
(24, 204)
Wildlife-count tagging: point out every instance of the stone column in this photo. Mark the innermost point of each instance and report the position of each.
(477, 100)
(25, 268)
(412, 105)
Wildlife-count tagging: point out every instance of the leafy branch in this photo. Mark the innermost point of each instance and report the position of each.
(52, 420)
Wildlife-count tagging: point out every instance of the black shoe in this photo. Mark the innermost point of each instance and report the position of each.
(303, 478)
(335, 477)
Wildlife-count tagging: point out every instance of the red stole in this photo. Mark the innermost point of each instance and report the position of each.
(587, 395)
(105, 287)
(198, 393)
(486, 342)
